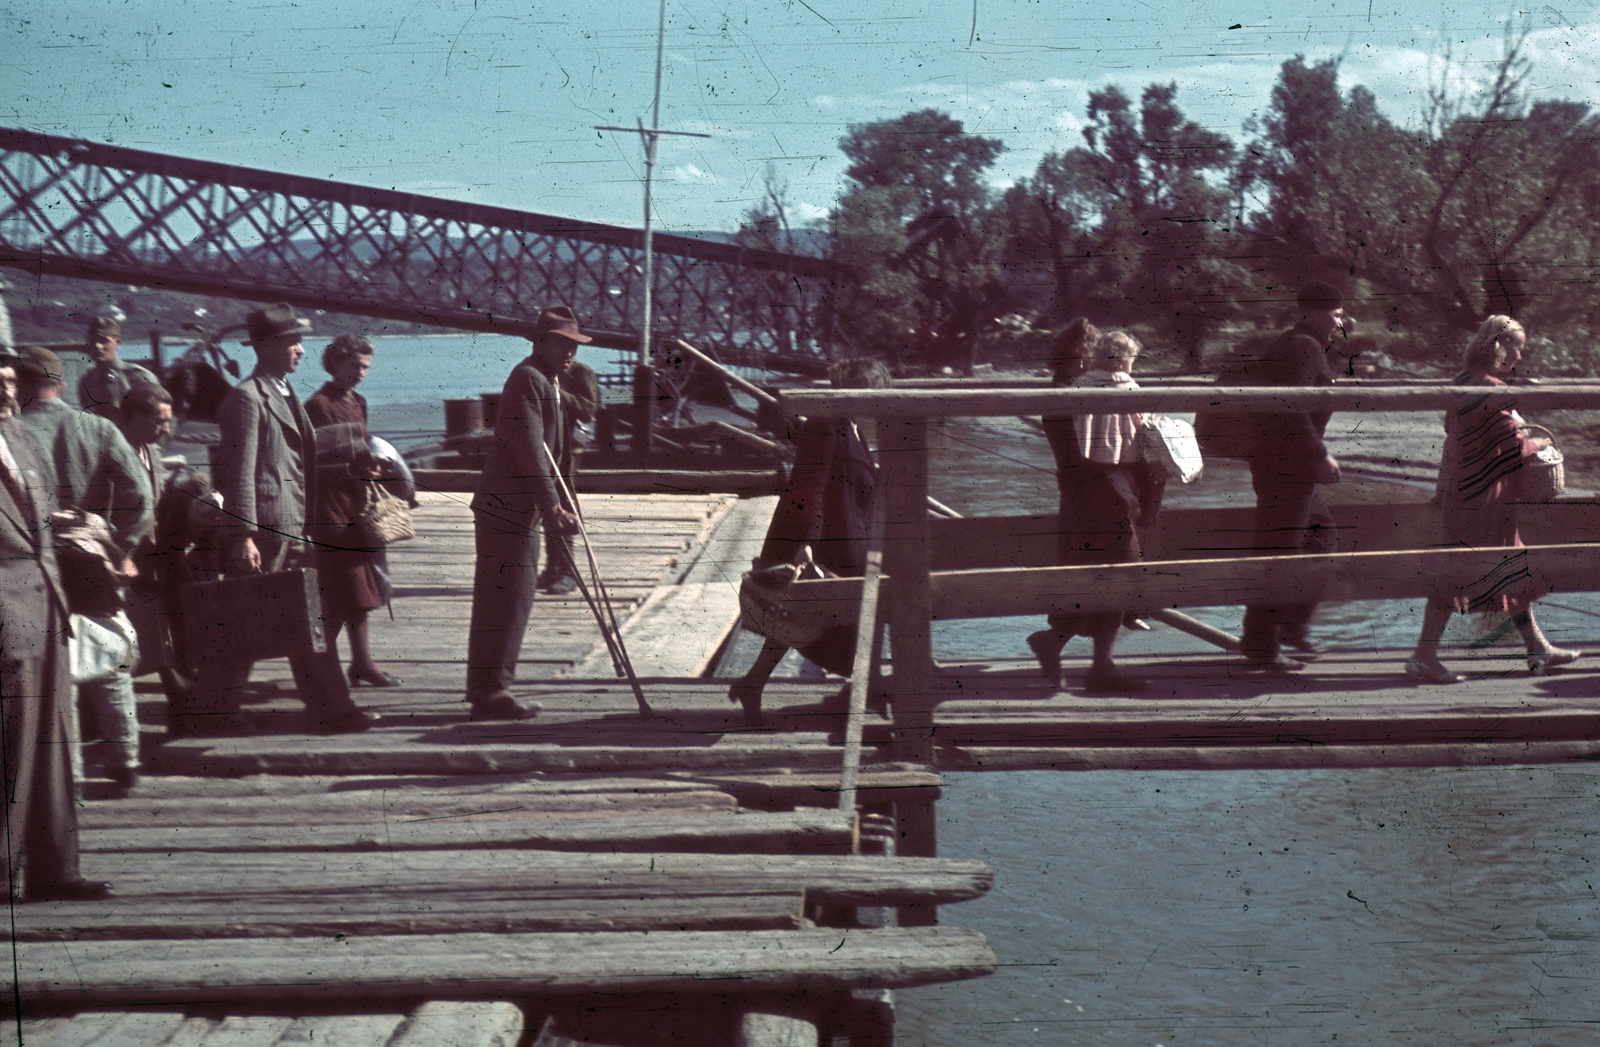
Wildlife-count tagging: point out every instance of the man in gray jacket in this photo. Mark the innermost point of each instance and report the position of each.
(93, 469)
(265, 469)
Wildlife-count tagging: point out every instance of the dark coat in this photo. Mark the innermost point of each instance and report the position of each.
(518, 477)
(1287, 444)
(828, 504)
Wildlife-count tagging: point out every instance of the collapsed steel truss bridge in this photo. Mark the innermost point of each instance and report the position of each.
(103, 212)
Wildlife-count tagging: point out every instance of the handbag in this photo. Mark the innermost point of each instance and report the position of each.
(384, 520)
(1169, 445)
(1542, 477)
(763, 597)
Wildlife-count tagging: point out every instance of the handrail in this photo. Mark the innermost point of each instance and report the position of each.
(953, 403)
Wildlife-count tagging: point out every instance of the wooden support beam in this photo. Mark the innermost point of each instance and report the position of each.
(1403, 575)
(487, 966)
(761, 395)
(903, 484)
(953, 403)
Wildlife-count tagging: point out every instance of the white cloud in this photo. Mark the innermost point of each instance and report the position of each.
(691, 173)
(809, 212)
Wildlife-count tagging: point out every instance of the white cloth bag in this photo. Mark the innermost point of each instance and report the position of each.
(102, 647)
(1169, 445)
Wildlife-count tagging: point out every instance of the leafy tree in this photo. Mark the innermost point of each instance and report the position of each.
(1444, 225)
(913, 223)
(1164, 220)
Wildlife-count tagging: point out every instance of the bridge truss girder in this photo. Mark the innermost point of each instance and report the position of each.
(103, 212)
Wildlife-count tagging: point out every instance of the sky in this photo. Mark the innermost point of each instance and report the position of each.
(495, 101)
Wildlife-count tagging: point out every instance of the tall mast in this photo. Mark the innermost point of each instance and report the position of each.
(649, 136)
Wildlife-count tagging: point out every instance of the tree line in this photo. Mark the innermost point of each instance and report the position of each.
(1488, 206)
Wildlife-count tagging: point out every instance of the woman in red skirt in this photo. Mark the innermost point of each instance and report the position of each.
(1477, 493)
(349, 580)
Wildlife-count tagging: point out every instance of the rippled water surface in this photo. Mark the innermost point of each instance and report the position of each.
(1369, 907)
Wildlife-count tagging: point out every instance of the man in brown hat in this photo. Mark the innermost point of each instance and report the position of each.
(103, 386)
(265, 469)
(517, 492)
(41, 822)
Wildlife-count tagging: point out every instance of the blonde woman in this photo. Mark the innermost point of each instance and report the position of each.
(1476, 491)
(1107, 495)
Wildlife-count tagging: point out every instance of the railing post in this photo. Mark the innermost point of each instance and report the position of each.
(903, 479)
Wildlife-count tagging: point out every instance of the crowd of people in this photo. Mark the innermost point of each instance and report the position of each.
(101, 531)
(94, 521)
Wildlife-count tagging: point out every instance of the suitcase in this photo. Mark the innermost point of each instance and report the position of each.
(253, 617)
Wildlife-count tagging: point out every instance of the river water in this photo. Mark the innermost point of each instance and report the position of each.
(1170, 909)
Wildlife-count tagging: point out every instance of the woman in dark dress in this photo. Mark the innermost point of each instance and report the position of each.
(1107, 495)
(1477, 493)
(349, 581)
(828, 509)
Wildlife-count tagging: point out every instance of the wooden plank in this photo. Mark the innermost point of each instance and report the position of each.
(1265, 757)
(525, 789)
(953, 403)
(471, 966)
(1373, 726)
(462, 1023)
(874, 784)
(380, 910)
(315, 814)
(531, 875)
(799, 832)
(284, 754)
(1184, 534)
(95, 1029)
(676, 631)
(1409, 574)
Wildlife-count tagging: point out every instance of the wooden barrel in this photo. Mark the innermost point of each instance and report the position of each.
(462, 417)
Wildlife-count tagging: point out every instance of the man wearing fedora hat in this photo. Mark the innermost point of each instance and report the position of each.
(41, 822)
(265, 470)
(517, 491)
(103, 386)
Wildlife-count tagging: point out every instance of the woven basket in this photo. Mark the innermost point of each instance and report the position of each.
(1543, 475)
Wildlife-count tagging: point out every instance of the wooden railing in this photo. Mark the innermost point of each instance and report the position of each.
(993, 566)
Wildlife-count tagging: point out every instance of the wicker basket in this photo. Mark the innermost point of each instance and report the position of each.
(1543, 475)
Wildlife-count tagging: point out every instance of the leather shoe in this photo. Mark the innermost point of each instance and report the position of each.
(349, 722)
(560, 586)
(71, 891)
(502, 706)
(1043, 644)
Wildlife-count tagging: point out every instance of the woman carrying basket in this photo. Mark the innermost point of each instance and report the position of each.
(1477, 492)
(349, 580)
